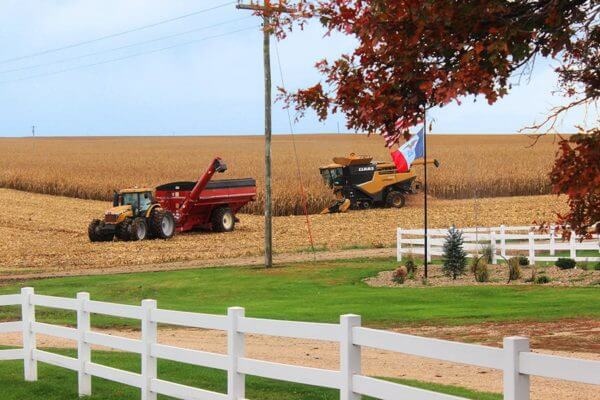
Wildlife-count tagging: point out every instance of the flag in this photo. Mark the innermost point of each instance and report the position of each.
(420, 148)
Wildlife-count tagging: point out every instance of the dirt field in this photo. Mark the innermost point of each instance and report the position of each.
(45, 234)
(319, 354)
(91, 168)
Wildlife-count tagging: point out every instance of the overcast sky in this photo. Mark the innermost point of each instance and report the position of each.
(210, 86)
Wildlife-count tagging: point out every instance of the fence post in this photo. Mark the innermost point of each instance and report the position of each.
(531, 249)
(428, 247)
(350, 356)
(572, 244)
(149, 338)
(29, 345)
(493, 247)
(516, 385)
(399, 244)
(503, 240)
(236, 382)
(552, 240)
(84, 353)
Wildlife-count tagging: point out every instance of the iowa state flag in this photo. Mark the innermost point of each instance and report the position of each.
(409, 151)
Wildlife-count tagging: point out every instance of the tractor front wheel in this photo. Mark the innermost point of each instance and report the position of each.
(95, 234)
(222, 220)
(395, 199)
(162, 224)
(138, 230)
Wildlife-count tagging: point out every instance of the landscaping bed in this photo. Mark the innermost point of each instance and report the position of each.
(498, 275)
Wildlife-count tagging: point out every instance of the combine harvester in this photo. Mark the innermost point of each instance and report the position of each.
(360, 183)
(145, 213)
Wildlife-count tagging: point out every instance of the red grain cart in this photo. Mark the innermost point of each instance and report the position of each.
(207, 204)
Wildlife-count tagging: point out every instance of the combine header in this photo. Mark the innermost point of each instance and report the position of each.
(146, 213)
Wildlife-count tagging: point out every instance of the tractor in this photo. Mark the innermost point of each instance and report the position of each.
(135, 215)
(359, 183)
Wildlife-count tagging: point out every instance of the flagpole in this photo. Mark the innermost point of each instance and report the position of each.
(425, 187)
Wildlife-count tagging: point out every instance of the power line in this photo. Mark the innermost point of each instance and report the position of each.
(298, 171)
(131, 55)
(64, 60)
(116, 34)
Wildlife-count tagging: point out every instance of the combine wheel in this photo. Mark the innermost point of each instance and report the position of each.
(395, 199)
(416, 187)
(138, 230)
(222, 220)
(162, 224)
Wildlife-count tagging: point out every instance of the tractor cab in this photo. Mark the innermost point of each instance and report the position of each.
(138, 200)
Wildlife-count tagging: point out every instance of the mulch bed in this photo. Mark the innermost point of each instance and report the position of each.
(498, 275)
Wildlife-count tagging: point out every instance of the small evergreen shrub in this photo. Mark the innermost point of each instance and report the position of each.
(523, 261)
(514, 269)
(597, 266)
(566, 263)
(455, 258)
(400, 275)
(481, 272)
(542, 279)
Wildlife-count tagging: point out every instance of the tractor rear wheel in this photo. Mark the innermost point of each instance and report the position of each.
(222, 220)
(122, 231)
(162, 224)
(138, 230)
(95, 235)
(395, 199)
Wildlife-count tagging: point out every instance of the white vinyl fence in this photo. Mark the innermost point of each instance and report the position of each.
(515, 359)
(505, 241)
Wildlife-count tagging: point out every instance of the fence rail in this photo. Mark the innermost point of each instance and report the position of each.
(503, 241)
(515, 359)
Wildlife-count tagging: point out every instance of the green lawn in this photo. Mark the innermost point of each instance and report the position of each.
(317, 292)
(60, 384)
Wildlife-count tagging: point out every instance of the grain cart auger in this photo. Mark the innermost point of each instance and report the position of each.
(360, 183)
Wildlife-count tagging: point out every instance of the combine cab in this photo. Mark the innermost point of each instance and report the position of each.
(360, 183)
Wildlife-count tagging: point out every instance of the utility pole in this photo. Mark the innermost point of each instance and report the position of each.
(267, 10)
(33, 138)
(425, 188)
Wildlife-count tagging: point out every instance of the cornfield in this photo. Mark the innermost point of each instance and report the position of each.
(91, 168)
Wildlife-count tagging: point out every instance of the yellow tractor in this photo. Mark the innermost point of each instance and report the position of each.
(360, 183)
(135, 215)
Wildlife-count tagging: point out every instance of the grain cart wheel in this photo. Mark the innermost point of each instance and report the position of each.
(222, 220)
(93, 232)
(395, 199)
(122, 232)
(138, 230)
(162, 224)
